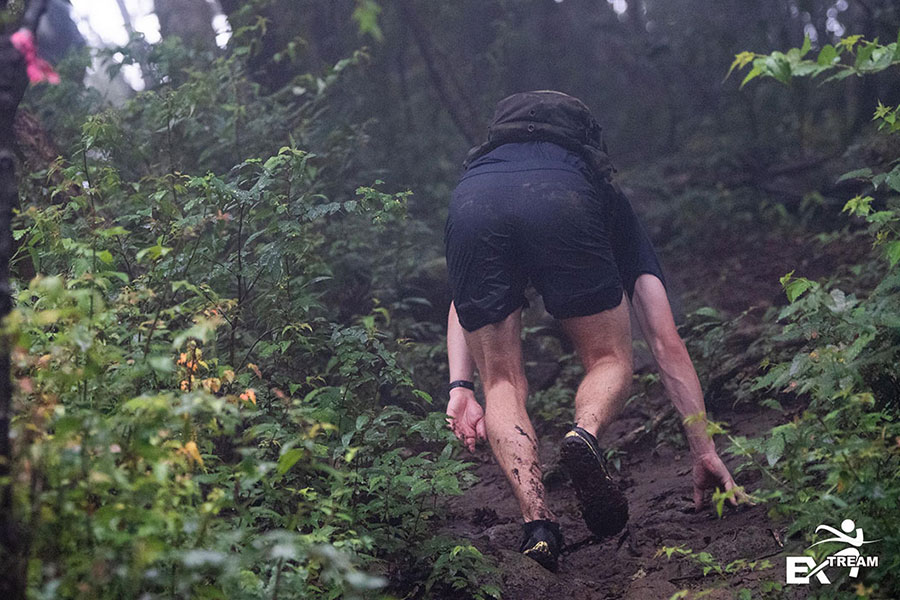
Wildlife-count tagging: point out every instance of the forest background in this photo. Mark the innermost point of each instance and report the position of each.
(231, 297)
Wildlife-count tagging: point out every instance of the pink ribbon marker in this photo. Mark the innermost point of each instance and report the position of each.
(38, 69)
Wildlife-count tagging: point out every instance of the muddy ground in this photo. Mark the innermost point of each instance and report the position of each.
(656, 480)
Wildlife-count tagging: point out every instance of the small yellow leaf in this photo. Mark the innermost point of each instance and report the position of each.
(741, 60)
(192, 452)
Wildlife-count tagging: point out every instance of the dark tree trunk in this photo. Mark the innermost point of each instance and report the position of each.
(191, 20)
(13, 537)
(443, 77)
(126, 17)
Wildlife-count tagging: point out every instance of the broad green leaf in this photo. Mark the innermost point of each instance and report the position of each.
(881, 217)
(112, 232)
(161, 364)
(755, 72)
(840, 503)
(864, 173)
(807, 45)
(893, 179)
(808, 69)
(893, 252)
(778, 67)
(864, 54)
(289, 459)
(707, 311)
(796, 288)
(840, 75)
(774, 449)
(828, 55)
(773, 404)
(881, 59)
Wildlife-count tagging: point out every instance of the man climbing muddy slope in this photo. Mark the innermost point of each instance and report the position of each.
(536, 205)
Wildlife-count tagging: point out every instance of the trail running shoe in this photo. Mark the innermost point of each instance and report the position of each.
(542, 542)
(604, 507)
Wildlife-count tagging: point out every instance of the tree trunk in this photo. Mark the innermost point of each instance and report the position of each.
(126, 17)
(450, 92)
(191, 20)
(13, 538)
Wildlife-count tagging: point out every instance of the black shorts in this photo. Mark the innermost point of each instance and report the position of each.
(528, 213)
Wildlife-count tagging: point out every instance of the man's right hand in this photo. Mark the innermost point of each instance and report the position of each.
(466, 417)
(709, 472)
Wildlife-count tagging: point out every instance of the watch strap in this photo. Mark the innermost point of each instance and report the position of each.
(461, 383)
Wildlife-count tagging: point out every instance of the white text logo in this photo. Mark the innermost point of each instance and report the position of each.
(800, 569)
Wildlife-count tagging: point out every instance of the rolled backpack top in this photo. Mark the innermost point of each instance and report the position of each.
(549, 116)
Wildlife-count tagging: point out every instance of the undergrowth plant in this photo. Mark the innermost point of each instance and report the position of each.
(709, 565)
(195, 415)
(829, 359)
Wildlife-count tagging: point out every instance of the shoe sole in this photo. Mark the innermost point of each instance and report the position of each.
(604, 507)
(540, 553)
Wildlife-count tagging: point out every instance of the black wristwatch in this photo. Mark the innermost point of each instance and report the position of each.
(461, 383)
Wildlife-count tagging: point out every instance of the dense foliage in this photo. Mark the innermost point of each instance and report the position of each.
(224, 362)
(194, 416)
(831, 355)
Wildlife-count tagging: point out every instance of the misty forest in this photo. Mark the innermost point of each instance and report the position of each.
(227, 300)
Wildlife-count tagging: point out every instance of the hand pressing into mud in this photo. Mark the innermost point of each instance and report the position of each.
(466, 417)
(709, 473)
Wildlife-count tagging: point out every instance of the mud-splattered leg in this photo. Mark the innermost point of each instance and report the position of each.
(497, 350)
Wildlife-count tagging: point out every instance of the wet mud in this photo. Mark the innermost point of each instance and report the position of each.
(657, 482)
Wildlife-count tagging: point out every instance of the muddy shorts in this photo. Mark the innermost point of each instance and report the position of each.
(527, 213)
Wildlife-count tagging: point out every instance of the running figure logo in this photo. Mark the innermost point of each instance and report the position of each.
(800, 569)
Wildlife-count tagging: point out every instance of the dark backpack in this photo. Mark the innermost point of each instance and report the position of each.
(551, 117)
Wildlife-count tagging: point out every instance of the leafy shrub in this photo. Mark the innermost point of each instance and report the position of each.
(195, 415)
(835, 348)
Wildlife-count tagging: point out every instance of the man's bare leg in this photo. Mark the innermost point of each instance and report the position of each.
(603, 342)
(497, 349)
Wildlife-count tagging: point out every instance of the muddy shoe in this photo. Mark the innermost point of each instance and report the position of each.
(542, 542)
(603, 506)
